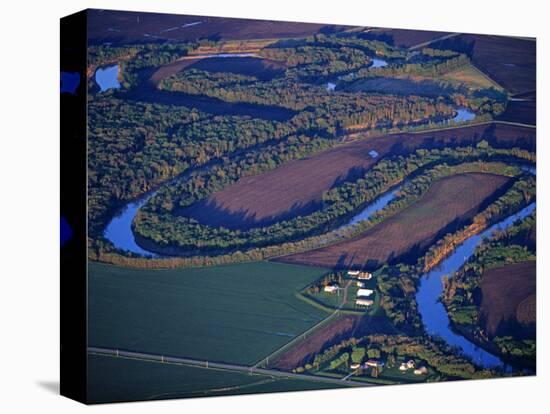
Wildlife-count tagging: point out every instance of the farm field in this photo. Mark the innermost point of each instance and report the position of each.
(263, 69)
(122, 379)
(398, 86)
(235, 313)
(446, 206)
(267, 198)
(510, 62)
(124, 27)
(472, 76)
(405, 37)
(524, 112)
(238, 167)
(508, 300)
(342, 327)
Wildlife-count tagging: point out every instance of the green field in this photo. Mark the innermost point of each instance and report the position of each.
(472, 77)
(121, 379)
(235, 313)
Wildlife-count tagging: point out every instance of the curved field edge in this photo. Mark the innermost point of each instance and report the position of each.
(239, 257)
(268, 195)
(340, 204)
(455, 199)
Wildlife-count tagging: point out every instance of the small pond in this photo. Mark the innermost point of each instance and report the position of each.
(107, 78)
(378, 63)
(463, 115)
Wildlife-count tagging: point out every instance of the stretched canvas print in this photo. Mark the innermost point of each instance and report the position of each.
(257, 206)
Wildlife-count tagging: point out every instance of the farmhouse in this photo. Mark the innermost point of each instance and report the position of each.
(355, 365)
(407, 365)
(331, 288)
(363, 302)
(421, 371)
(364, 276)
(353, 272)
(374, 363)
(364, 292)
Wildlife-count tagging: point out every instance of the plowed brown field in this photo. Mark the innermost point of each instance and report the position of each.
(508, 303)
(446, 206)
(297, 187)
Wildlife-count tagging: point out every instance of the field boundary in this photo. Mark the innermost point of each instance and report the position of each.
(252, 370)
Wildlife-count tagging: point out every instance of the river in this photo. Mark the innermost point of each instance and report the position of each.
(434, 315)
(376, 63)
(119, 230)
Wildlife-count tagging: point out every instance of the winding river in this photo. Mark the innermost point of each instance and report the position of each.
(432, 311)
(119, 230)
(434, 314)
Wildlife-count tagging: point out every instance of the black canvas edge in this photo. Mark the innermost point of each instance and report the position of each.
(73, 201)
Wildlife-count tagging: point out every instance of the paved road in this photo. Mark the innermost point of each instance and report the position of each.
(219, 365)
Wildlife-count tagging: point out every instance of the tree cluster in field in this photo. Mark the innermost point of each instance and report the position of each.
(436, 354)
(319, 109)
(318, 285)
(342, 40)
(311, 62)
(159, 220)
(131, 150)
(512, 245)
(431, 68)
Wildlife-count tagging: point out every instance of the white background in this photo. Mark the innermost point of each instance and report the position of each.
(29, 206)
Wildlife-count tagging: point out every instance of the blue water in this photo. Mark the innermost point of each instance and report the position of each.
(463, 115)
(70, 82)
(377, 205)
(65, 230)
(119, 230)
(378, 63)
(107, 78)
(434, 314)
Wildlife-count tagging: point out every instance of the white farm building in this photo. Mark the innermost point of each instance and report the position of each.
(330, 288)
(364, 302)
(364, 292)
(364, 276)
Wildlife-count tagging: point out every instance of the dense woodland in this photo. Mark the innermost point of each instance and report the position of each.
(390, 347)
(138, 146)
